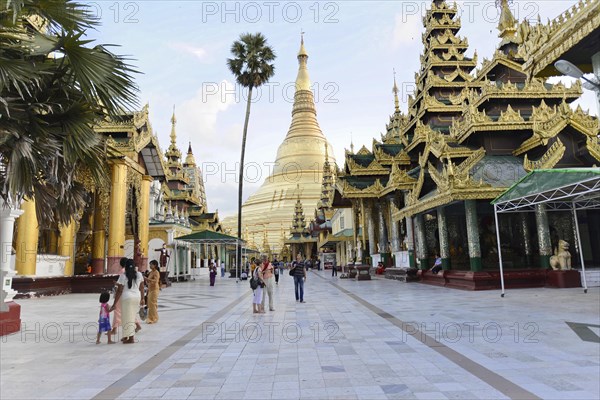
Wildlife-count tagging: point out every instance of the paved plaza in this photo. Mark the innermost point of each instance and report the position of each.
(376, 339)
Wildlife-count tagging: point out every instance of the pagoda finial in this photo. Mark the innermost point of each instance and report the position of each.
(395, 91)
(302, 52)
(173, 123)
(303, 79)
(507, 24)
(351, 144)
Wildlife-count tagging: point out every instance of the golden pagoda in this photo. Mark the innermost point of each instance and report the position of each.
(297, 171)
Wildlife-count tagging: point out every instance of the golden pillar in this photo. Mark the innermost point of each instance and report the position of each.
(116, 225)
(145, 222)
(27, 239)
(66, 245)
(98, 237)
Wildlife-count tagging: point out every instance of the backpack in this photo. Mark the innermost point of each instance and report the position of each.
(255, 281)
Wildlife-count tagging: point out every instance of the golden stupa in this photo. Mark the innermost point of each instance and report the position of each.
(297, 173)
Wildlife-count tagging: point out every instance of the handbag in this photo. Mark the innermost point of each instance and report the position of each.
(253, 283)
(143, 313)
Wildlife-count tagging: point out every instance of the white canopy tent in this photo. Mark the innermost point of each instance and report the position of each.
(569, 189)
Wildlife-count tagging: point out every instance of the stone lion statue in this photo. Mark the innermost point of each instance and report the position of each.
(561, 260)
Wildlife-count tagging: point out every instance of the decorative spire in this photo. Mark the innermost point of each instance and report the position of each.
(395, 91)
(173, 134)
(173, 153)
(326, 187)
(189, 159)
(303, 79)
(302, 52)
(507, 24)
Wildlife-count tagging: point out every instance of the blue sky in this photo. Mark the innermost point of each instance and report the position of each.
(353, 46)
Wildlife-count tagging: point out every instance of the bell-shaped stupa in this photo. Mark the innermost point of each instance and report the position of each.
(297, 173)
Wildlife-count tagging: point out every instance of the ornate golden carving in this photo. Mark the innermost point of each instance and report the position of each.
(465, 166)
(543, 44)
(548, 160)
(413, 195)
(459, 72)
(510, 116)
(593, 146)
(134, 180)
(399, 179)
(584, 122)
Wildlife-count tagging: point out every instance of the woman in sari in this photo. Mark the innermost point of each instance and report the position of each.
(130, 291)
(153, 281)
(117, 311)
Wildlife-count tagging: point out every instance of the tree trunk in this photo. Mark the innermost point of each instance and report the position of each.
(241, 184)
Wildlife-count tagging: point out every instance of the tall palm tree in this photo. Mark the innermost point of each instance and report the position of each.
(54, 88)
(252, 66)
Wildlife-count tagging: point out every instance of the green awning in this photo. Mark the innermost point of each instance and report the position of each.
(208, 237)
(561, 188)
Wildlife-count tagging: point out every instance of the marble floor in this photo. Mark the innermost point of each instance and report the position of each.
(376, 339)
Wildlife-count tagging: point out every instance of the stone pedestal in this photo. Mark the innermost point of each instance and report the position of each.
(164, 279)
(352, 271)
(362, 273)
(563, 279)
(398, 274)
(10, 321)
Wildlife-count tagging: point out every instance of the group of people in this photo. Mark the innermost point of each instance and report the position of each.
(130, 296)
(267, 274)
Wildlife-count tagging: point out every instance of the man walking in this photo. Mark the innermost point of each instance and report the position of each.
(299, 278)
(266, 269)
(276, 271)
(333, 270)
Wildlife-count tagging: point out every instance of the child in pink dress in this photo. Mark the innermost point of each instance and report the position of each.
(104, 318)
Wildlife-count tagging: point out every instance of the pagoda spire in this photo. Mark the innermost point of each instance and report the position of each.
(395, 91)
(189, 159)
(326, 188)
(173, 153)
(173, 123)
(303, 79)
(507, 24)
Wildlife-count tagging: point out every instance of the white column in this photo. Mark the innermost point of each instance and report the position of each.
(188, 262)
(8, 215)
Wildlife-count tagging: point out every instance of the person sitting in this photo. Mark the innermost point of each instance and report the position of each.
(380, 268)
(437, 265)
(244, 276)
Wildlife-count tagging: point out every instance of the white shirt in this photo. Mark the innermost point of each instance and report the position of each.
(134, 292)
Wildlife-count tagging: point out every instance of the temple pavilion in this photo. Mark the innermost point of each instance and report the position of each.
(467, 136)
(150, 200)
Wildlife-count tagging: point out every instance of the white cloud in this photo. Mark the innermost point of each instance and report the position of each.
(197, 117)
(196, 51)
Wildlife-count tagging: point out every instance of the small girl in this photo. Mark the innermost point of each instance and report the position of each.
(104, 318)
(257, 307)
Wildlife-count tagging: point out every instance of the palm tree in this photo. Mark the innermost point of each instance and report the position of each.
(252, 66)
(54, 88)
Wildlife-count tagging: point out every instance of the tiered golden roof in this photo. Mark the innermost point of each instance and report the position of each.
(461, 122)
